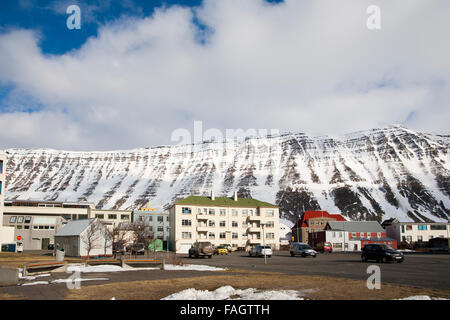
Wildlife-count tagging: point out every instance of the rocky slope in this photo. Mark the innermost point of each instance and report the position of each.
(374, 175)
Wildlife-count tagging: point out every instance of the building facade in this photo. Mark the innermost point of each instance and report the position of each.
(157, 220)
(6, 232)
(239, 222)
(411, 232)
(351, 235)
(312, 221)
(36, 222)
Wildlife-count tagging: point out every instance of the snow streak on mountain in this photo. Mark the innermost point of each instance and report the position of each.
(369, 175)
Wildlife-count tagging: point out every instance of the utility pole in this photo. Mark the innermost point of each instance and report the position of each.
(167, 242)
(264, 243)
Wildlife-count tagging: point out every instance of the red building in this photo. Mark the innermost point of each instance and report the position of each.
(312, 221)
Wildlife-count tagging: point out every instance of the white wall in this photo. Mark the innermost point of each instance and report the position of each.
(6, 235)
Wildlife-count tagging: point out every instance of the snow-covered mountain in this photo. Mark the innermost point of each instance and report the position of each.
(376, 174)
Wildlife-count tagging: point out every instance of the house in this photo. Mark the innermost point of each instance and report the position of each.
(84, 238)
(240, 222)
(37, 221)
(6, 232)
(411, 232)
(351, 235)
(312, 221)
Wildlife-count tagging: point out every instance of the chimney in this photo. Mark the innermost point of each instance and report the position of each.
(235, 196)
(212, 195)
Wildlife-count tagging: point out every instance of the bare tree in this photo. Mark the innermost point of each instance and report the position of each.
(142, 233)
(92, 237)
(108, 238)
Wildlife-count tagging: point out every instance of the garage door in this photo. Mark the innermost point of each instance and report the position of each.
(184, 248)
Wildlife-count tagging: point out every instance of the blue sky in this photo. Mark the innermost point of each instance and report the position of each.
(138, 70)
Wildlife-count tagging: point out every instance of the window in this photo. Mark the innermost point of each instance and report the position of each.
(160, 229)
(20, 219)
(234, 212)
(222, 212)
(212, 212)
(403, 229)
(160, 219)
(211, 223)
(419, 238)
(18, 227)
(211, 235)
(26, 227)
(186, 210)
(244, 235)
(245, 213)
(186, 222)
(124, 217)
(35, 227)
(102, 216)
(51, 227)
(270, 224)
(27, 219)
(222, 224)
(1, 169)
(222, 235)
(186, 235)
(167, 218)
(270, 235)
(0, 187)
(422, 227)
(269, 213)
(12, 219)
(408, 238)
(46, 227)
(41, 227)
(112, 216)
(437, 227)
(234, 224)
(408, 227)
(150, 218)
(234, 235)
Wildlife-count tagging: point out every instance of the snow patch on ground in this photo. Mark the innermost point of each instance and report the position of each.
(229, 293)
(33, 277)
(69, 280)
(194, 267)
(35, 283)
(421, 298)
(103, 268)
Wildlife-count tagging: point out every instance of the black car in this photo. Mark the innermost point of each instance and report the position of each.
(380, 253)
(138, 248)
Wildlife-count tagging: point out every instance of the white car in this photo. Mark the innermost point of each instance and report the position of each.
(259, 251)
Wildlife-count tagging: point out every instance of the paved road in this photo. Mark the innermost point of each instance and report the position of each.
(422, 270)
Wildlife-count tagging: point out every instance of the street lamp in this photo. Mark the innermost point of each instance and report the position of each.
(343, 231)
(264, 243)
(167, 242)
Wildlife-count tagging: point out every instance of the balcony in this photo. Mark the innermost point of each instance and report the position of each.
(254, 241)
(254, 218)
(202, 229)
(253, 230)
(201, 216)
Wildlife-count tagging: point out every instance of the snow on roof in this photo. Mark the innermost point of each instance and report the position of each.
(74, 228)
(356, 226)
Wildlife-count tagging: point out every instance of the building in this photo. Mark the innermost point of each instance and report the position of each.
(351, 235)
(38, 221)
(312, 221)
(240, 222)
(6, 232)
(411, 232)
(84, 238)
(285, 233)
(157, 220)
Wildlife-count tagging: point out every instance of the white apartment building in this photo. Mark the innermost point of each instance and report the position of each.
(6, 233)
(416, 231)
(36, 222)
(239, 222)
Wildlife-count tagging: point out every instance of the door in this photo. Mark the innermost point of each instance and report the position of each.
(44, 243)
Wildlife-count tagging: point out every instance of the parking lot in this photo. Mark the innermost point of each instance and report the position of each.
(422, 270)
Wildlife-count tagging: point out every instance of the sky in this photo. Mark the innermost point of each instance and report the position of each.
(138, 70)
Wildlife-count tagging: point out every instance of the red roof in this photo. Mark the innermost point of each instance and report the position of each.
(317, 214)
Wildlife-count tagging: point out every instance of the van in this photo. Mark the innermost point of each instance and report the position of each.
(303, 249)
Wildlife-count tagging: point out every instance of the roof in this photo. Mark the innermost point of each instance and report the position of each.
(74, 228)
(356, 226)
(224, 201)
(316, 214)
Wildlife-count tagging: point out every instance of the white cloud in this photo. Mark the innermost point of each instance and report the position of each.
(309, 66)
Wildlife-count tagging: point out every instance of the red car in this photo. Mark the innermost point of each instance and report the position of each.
(327, 247)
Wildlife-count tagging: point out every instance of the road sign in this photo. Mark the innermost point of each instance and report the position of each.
(19, 238)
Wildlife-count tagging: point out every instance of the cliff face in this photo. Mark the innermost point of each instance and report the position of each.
(373, 175)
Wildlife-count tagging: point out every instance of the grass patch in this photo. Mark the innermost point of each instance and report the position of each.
(328, 288)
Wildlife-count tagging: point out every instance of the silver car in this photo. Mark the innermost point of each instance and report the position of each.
(302, 249)
(259, 251)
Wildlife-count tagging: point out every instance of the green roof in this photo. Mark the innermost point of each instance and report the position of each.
(224, 201)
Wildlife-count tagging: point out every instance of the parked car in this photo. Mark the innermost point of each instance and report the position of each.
(221, 250)
(439, 245)
(119, 248)
(138, 248)
(380, 252)
(228, 247)
(302, 249)
(323, 247)
(201, 249)
(259, 251)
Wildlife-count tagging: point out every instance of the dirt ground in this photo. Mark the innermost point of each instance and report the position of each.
(15, 260)
(325, 288)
